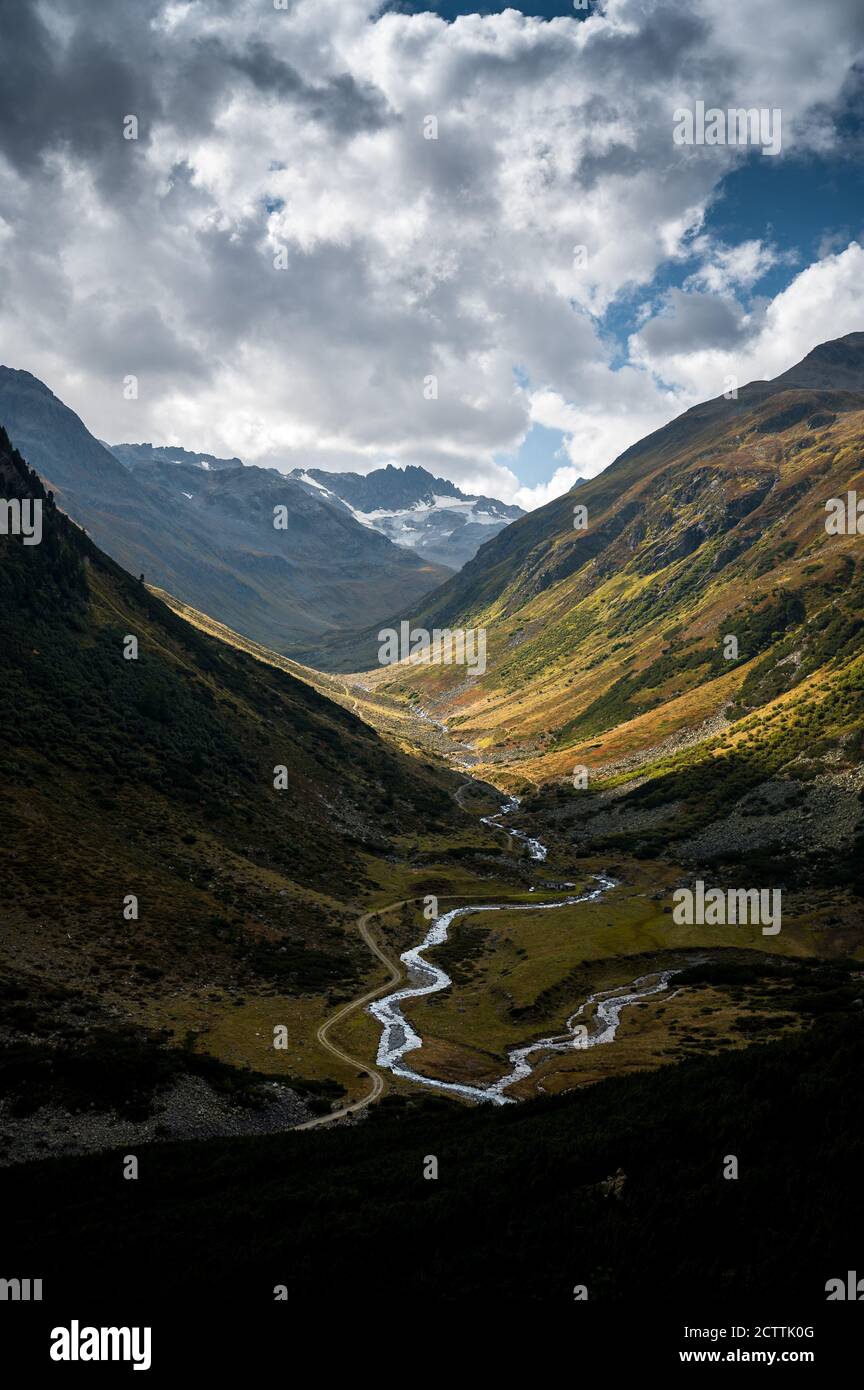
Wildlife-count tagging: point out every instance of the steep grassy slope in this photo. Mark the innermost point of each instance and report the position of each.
(154, 777)
(389, 716)
(518, 976)
(606, 644)
(207, 535)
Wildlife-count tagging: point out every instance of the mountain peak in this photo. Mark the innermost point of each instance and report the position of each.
(12, 375)
(836, 365)
(135, 456)
(416, 510)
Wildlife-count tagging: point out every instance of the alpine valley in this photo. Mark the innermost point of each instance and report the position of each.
(203, 528)
(333, 921)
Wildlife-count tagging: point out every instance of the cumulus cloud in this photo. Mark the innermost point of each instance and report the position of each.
(284, 260)
(726, 268)
(826, 300)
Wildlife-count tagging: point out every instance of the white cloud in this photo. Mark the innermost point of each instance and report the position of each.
(405, 257)
(561, 481)
(624, 406)
(824, 301)
(726, 268)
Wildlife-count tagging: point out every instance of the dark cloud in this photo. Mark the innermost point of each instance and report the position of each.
(693, 321)
(342, 103)
(453, 9)
(69, 85)
(68, 93)
(405, 255)
(348, 106)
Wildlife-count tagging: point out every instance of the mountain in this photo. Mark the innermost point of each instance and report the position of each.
(150, 782)
(427, 515)
(713, 443)
(155, 777)
(202, 528)
(607, 646)
(146, 456)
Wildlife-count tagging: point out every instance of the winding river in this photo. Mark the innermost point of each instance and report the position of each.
(536, 850)
(398, 1037)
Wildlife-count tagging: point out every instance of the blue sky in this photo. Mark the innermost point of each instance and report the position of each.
(803, 207)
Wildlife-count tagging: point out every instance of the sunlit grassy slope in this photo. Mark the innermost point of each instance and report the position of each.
(607, 646)
(607, 653)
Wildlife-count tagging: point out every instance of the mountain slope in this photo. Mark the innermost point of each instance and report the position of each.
(607, 646)
(147, 456)
(207, 534)
(153, 778)
(414, 509)
(544, 548)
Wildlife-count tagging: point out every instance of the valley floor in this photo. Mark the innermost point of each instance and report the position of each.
(510, 977)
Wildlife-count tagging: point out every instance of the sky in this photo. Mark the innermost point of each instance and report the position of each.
(283, 264)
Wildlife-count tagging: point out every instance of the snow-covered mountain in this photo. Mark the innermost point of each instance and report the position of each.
(416, 510)
(203, 528)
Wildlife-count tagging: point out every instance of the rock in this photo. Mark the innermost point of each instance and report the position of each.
(614, 1186)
